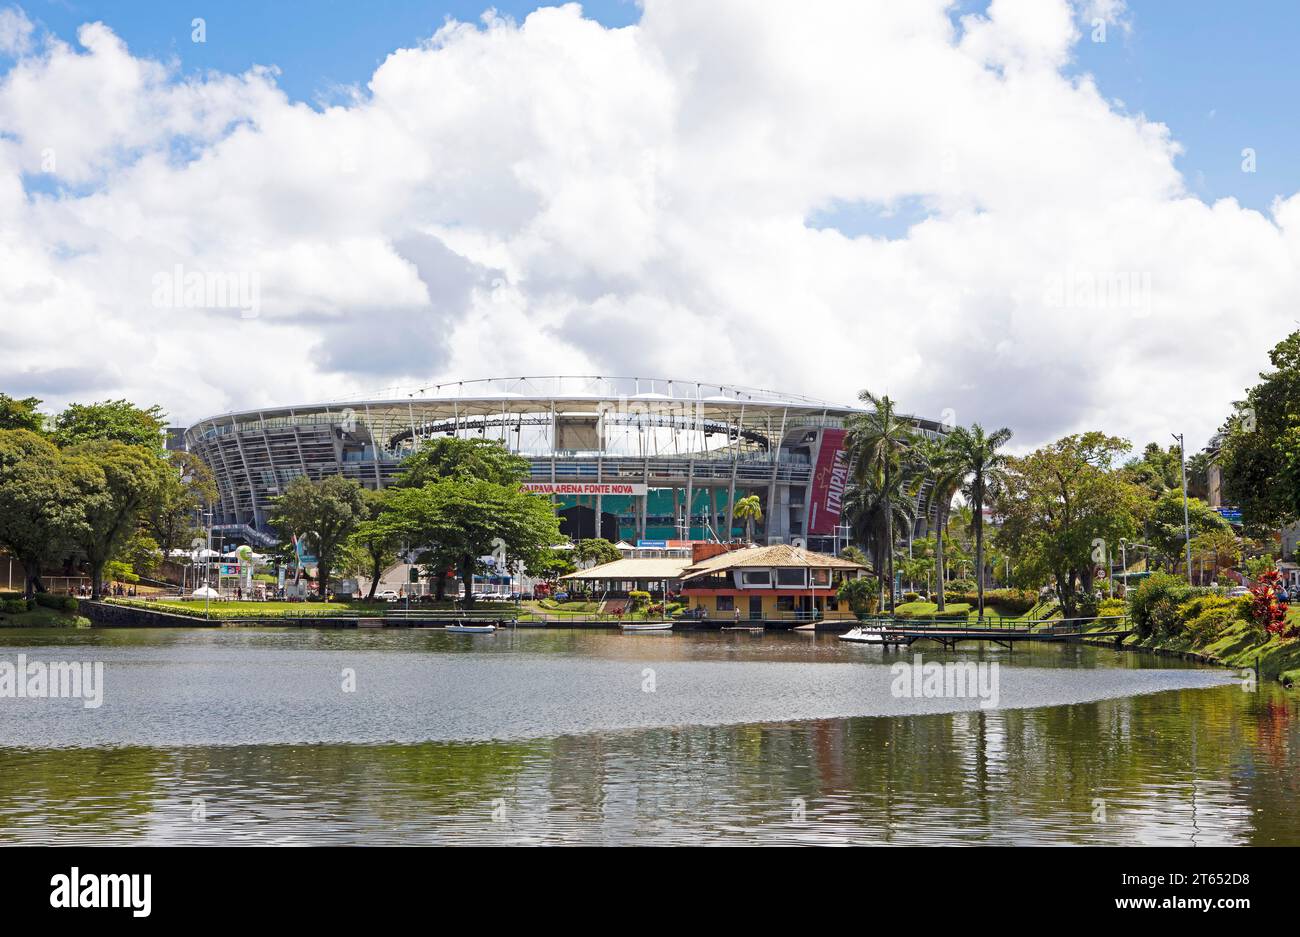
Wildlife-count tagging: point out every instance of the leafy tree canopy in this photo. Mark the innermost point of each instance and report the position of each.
(21, 414)
(112, 420)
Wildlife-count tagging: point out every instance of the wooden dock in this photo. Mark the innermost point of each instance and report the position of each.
(1003, 633)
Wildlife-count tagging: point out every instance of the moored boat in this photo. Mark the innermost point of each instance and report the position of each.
(865, 634)
(465, 627)
(647, 626)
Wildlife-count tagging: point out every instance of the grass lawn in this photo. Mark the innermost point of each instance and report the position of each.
(43, 618)
(964, 612)
(1239, 645)
(261, 609)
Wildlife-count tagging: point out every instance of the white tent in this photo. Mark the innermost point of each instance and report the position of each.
(205, 592)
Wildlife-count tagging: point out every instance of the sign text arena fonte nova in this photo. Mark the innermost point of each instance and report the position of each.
(583, 488)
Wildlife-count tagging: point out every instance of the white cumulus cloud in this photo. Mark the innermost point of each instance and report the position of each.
(551, 196)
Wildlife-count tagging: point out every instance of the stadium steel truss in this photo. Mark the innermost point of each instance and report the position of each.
(624, 458)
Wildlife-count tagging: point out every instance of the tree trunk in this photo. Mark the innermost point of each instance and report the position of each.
(979, 548)
(440, 586)
(96, 575)
(889, 538)
(377, 571)
(938, 560)
(322, 573)
(467, 578)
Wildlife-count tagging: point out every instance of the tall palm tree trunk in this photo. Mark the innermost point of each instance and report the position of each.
(979, 552)
(938, 558)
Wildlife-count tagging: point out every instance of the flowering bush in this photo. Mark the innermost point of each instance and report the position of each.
(1266, 610)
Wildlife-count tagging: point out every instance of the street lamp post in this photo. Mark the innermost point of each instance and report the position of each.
(1187, 526)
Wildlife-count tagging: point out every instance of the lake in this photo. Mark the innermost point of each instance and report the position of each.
(243, 736)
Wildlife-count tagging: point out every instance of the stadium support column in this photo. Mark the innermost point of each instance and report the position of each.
(374, 449)
(600, 471)
(248, 475)
(771, 489)
(645, 498)
(735, 467)
(690, 494)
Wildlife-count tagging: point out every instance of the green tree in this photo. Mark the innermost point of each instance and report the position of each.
(128, 482)
(1259, 455)
(853, 555)
(1064, 508)
(874, 512)
(21, 414)
(860, 595)
(550, 565)
(174, 517)
(596, 551)
(875, 444)
(467, 518)
(453, 457)
(750, 510)
(111, 420)
(377, 539)
(325, 513)
(1165, 529)
(938, 462)
(982, 464)
(42, 510)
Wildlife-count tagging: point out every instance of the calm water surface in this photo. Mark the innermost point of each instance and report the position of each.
(301, 736)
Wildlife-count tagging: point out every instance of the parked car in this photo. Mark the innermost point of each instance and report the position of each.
(388, 595)
(1237, 592)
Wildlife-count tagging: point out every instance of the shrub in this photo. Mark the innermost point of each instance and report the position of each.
(1266, 610)
(637, 600)
(61, 603)
(960, 585)
(1210, 623)
(13, 606)
(911, 596)
(862, 595)
(1111, 607)
(957, 611)
(1155, 605)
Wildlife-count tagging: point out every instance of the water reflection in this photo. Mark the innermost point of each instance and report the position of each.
(1207, 766)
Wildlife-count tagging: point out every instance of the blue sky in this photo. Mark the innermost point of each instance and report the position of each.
(1222, 76)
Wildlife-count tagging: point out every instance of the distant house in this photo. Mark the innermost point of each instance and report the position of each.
(773, 583)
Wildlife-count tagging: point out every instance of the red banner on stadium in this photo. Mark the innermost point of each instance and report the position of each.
(830, 478)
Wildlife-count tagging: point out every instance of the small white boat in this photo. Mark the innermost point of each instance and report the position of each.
(865, 634)
(648, 626)
(753, 629)
(462, 627)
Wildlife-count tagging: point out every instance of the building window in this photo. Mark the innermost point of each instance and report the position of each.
(790, 577)
(755, 577)
(785, 603)
(821, 577)
(726, 603)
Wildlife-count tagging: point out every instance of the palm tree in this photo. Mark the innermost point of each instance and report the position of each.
(873, 512)
(983, 467)
(749, 510)
(936, 460)
(875, 444)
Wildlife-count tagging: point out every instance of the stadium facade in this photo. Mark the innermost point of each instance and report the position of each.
(635, 459)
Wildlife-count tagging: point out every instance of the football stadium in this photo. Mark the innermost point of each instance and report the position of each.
(634, 459)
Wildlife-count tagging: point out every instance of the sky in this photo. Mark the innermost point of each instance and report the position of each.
(1054, 215)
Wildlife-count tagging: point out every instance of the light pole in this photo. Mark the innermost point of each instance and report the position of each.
(1187, 526)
